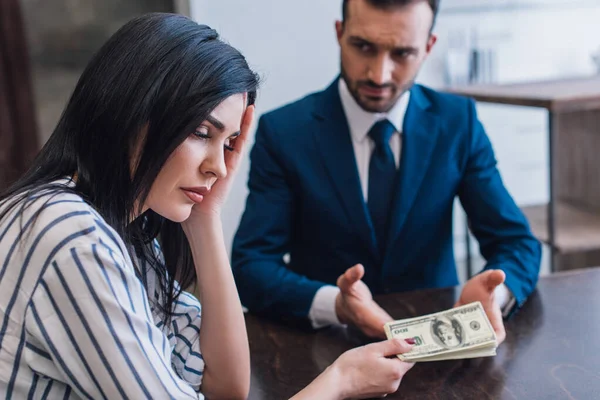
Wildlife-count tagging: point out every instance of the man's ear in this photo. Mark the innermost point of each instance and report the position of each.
(339, 30)
(430, 43)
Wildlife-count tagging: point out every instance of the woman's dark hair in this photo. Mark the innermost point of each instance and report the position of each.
(150, 86)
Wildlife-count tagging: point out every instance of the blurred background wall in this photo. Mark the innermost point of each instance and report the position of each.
(63, 35)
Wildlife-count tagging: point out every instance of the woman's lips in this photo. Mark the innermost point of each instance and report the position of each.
(196, 194)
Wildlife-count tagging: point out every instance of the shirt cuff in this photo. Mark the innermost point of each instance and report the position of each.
(505, 299)
(322, 310)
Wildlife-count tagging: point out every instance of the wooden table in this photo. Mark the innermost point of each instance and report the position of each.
(570, 222)
(552, 349)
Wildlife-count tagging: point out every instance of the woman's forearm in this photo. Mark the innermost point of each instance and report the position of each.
(325, 387)
(223, 337)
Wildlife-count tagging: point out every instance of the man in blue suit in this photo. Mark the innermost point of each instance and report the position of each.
(352, 188)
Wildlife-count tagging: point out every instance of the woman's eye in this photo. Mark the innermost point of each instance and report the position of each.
(202, 134)
(228, 144)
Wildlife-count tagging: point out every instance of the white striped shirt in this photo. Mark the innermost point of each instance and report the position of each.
(76, 321)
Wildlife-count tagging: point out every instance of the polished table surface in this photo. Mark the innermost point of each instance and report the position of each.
(552, 349)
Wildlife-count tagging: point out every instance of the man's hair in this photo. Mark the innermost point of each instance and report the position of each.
(393, 4)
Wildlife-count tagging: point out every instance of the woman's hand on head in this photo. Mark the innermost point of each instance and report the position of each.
(213, 202)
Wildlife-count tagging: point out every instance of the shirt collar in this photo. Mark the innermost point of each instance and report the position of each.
(361, 121)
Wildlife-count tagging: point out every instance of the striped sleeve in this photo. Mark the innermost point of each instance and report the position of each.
(183, 331)
(185, 339)
(90, 316)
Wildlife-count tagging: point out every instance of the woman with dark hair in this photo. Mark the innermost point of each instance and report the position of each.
(120, 211)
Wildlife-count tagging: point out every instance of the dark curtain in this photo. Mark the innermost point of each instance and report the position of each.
(18, 136)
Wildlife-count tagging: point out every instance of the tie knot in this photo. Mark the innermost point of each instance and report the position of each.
(381, 132)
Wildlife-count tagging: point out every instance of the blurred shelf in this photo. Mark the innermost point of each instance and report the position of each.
(557, 95)
(477, 6)
(573, 143)
(575, 229)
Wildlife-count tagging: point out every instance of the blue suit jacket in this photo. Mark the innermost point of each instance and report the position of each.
(306, 200)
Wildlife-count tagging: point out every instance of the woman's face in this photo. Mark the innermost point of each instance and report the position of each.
(197, 163)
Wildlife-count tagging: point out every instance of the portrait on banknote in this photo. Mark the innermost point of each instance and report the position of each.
(447, 332)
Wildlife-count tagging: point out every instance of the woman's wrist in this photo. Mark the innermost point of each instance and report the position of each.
(202, 226)
(329, 384)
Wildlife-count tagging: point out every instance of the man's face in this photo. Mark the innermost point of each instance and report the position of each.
(382, 51)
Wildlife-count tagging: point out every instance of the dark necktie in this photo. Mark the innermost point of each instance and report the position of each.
(382, 174)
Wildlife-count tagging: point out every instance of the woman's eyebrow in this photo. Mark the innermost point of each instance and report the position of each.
(220, 126)
(216, 123)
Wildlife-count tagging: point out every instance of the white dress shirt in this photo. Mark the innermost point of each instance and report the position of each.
(322, 311)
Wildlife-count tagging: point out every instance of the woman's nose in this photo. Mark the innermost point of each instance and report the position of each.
(215, 164)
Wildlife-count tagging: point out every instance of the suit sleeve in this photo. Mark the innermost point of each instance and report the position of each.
(265, 283)
(502, 230)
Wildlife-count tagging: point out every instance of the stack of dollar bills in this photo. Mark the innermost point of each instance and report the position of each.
(461, 332)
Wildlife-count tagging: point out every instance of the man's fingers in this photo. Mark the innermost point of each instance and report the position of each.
(500, 335)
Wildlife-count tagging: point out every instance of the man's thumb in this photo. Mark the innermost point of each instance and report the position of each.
(494, 278)
(352, 275)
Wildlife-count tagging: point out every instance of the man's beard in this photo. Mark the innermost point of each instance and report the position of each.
(353, 89)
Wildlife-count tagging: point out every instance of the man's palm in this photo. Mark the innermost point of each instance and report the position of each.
(481, 288)
(355, 304)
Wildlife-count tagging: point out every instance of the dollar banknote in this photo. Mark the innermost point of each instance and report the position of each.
(461, 332)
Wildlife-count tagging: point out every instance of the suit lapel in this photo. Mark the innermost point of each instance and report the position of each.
(419, 136)
(337, 154)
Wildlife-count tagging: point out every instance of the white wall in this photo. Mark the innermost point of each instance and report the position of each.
(292, 45)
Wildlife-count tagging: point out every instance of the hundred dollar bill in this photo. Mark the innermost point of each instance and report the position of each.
(461, 332)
